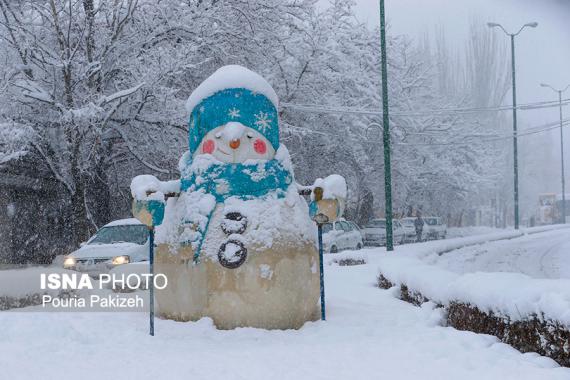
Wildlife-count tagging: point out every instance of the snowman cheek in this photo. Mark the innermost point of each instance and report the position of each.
(259, 146)
(208, 146)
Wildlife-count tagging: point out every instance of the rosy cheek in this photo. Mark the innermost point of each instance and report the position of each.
(260, 146)
(208, 146)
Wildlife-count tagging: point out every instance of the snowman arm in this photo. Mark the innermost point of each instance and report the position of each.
(148, 187)
(331, 187)
(328, 197)
(149, 198)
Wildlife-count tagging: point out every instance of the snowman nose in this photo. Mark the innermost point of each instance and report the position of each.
(234, 144)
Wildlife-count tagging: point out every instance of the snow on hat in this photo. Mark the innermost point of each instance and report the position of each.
(233, 93)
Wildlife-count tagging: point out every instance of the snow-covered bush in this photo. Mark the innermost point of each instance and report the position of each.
(533, 315)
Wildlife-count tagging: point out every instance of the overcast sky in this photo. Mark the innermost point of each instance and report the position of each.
(542, 54)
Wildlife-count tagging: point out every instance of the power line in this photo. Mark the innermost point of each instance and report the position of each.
(529, 131)
(315, 108)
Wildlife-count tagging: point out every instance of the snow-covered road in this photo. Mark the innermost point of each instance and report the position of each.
(369, 334)
(542, 255)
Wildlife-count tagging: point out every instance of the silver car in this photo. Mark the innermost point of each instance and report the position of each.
(435, 228)
(409, 226)
(120, 242)
(341, 235)
(375, 232)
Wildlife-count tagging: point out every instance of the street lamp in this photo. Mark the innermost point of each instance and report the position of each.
(386, 132)
(515, 145)
(561, 148)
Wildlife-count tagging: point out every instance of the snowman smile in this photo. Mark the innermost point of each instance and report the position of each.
(222, 152)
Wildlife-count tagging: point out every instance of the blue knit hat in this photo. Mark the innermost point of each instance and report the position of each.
(233, 93)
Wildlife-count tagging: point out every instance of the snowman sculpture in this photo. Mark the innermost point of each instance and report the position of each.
(233, 235)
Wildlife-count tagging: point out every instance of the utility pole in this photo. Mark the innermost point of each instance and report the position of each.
(515, 143)
(386, 132)
(561, 150)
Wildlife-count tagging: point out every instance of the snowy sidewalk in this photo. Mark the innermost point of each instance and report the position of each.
(544, 255)
(369, 334)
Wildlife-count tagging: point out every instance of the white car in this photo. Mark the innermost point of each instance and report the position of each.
(434, 228)
(120, 242)
(341, 235)
(375, 232)
(409, 226)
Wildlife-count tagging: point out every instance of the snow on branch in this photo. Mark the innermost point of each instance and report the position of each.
(33, 90)
(119, 94)
(138, 157)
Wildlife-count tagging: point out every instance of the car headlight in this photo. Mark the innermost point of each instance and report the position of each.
(69, 262)
(118, 260)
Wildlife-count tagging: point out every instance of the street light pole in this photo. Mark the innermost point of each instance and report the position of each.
(515, 143)
(561, 150)
(386, 132)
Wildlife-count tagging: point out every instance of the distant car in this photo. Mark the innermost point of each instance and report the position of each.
(341, 235)
(434, 228)
(409, 226)
(375, 232)
(120, 242)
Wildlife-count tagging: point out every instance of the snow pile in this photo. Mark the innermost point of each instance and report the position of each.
(455, 232)
(19, 283)
(231, 76)
(438, 247)
(543, 255)
(282, 155)
(148, 187)
(346, 258)
(186, 219)
(269, 219)
(514, 295)
(334, 187)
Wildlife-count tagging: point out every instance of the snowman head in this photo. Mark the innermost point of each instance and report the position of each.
(233, 117)
(235, 143)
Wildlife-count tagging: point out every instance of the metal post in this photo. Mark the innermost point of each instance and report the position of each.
(321, 269)
(386, 132)
(151, 285)
(562, 160)
(515, 144)
(515, 147)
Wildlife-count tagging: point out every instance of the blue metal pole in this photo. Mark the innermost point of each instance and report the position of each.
(322, 273)
(151, 258)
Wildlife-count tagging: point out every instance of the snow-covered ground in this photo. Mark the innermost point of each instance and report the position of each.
(454, 232)
(544, 255)
(368, 334)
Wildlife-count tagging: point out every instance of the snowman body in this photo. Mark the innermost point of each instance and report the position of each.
(237, 245)
(274, 285)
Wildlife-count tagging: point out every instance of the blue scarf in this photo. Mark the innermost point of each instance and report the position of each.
(245, 181)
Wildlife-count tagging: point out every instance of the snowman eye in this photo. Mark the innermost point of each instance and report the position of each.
(218, 135)
(249, 135)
